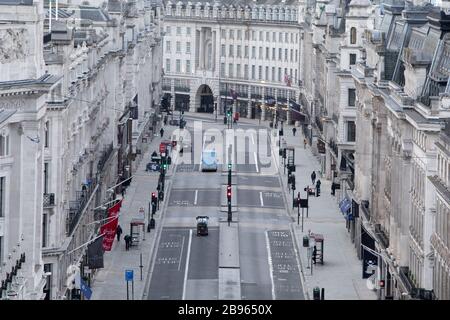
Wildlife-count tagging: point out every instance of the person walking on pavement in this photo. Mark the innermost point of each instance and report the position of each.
(161, 132)
(304, 143)
(118, 232)
(127, 239)
(294, 130)
(313, 177)
(318, 183)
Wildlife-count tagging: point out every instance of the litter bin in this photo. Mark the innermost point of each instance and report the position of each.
(271, 124)
(316, 293)
(306, 241)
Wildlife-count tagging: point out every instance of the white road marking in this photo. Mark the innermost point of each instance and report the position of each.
(195, 199)
(187, 265)
(261, 199)
(269, 258)
(253, 140)
(181, 254)
(256, 162)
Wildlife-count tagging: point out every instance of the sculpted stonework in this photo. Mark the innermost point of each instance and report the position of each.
(13, 44)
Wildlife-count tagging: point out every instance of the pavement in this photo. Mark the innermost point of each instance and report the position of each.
(340, 275)
(109, 283)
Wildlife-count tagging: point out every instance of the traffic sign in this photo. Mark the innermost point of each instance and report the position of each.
(128, 275)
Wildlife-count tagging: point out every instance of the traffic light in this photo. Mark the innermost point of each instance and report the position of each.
(153, 208)
(229, 112)
(229, 193)
(382, 283)
(154, 199)
(229, 166)
(161, 195)
(293, 182)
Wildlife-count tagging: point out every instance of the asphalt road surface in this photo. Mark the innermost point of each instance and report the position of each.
(186, 266)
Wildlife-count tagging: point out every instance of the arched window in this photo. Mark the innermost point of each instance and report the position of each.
(353, 35)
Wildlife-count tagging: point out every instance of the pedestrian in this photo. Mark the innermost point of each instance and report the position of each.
(161, 132)
(118, 232)
(313, 177)
(165, 120)
(318, 183)
(304, 143)
(314, 255)
(333, 188)
(294, 130)
(127, 239)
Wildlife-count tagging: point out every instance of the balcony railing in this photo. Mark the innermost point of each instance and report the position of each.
(104, 157)
(405, 275)
(76, 207)
(49, 200)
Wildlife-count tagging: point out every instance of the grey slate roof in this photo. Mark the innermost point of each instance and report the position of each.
(93, 14)
(418, 118)
(16, 2)
(5, 114)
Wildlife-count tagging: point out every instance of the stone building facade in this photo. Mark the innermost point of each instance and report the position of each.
(212, 48)
(97, 93)
(376, 98)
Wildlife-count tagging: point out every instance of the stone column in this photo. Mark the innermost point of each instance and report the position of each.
(249, 103)
(31, 163)
(263, 112)
(234, 106)
(201, 50)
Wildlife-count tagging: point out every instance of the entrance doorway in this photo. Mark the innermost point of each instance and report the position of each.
(206, 99)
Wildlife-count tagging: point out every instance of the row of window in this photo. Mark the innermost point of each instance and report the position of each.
(443, 222)
(178, 31)
(178, 66)
(288, 56)
(281, 37)
(267, 73)
(178, 47)
(443, 168)
(441, 281)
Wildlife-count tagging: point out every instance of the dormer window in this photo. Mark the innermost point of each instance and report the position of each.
(353, 35)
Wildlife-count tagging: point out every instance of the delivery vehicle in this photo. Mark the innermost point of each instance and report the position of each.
(209, 160)
(202, 225)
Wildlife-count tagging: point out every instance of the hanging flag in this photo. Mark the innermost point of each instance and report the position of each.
(109, 228)
(287, 80)
(233, 94)
(95, 254)
(85, 289)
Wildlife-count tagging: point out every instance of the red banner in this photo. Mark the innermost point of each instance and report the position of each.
(109, 229)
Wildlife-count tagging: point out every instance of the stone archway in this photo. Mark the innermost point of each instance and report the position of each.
(205, 98)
